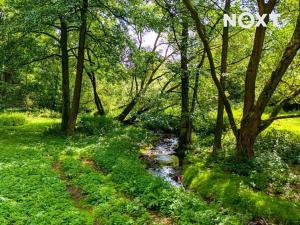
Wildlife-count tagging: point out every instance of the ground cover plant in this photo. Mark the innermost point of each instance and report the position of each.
(150, 112)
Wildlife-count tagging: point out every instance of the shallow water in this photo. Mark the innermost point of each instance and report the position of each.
(164, 162)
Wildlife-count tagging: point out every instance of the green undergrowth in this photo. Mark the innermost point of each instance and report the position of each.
(30, 191)
(122, 191)
(109, 205)
(274, 169)
(221, 184)
(266, 186)
(118, 156)
(12, 119)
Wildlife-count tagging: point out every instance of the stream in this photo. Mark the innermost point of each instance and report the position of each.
(163, 162)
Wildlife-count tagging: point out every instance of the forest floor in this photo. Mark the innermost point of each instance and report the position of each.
(47, 178)
(42, 184)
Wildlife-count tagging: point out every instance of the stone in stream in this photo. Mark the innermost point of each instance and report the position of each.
(162, 161)
(167, 160)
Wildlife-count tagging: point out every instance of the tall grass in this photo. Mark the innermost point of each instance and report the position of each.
(12, 119)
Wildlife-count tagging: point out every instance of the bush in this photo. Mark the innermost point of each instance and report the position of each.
(47, 113)
(232, 191)
(160, 121)
(206, 126)
(284, 143)
(93, 125)
(269, 171)
(12, 119)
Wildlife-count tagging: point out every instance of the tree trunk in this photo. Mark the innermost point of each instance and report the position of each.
(196, 86)
(220, 116)
(97, 99)
(65, 75)
(245, 144)
(219, 127)
(79, 70)
(186, 122)
(55, 95)
(127, 109)
(246, 138)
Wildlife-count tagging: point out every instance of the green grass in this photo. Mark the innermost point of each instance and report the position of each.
(232, 190)
(12, 119)
(119, 190)
(213, 181)
(291, 125)
(30, 191)
(110, 206)
(33, 191)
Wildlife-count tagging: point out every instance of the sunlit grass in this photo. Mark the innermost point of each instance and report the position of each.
(291, 125)
(232, 191)
(31, 192)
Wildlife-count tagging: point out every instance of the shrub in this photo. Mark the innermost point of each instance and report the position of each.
(206, 126)
(12, 119)
(46, 113)
(269, 169)
(93, 125)
(160, 121)
(284, 143)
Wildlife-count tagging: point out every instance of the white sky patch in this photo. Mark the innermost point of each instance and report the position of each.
(148, 39)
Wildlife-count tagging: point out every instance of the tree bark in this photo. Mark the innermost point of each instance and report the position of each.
(128, 109)
(97, 99)
(186, 122)
(196, 86)
(253, 65)
(65, 75)
(79, 70)
(220, 116)
(93, 80)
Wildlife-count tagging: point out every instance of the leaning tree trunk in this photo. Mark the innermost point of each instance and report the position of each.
(79, 70)
(65, 75)
(128, 109)
(186, 122)
(97, 99)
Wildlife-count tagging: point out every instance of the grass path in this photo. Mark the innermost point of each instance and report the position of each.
(40, 183)
(30, 191)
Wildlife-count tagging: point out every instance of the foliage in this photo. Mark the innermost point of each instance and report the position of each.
(135, 51)
(45, 113)
(119, 155)
(31, 192)
(270, 170)
(160, 122)
(12, 119)
(284, 143)
(96, 124)
(98, 189)
(234, 193)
